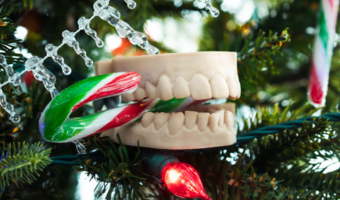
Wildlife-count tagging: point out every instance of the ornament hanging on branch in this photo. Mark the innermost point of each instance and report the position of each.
(35, 64)
(176, 78)
(322, 53)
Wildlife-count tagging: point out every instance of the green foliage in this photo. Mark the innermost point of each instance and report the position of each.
(117, 172)
(22, 163)
(7, 39)
(240, 185)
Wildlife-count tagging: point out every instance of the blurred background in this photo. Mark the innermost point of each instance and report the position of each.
(271, 78)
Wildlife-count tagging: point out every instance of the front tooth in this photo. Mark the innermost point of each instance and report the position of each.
(190, 119)
(181, 88)
(147, 119)
(229, 120)
(176, 122)
(150, 90)
(140, 94)
(221, 119)
(232, 87)
(202, 121)
(219, 87)
(160, 119)
(164, 88)
(213, 121)
(129, 97)
(200, 87)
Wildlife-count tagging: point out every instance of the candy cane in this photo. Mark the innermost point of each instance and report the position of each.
(55, 126)
(322, 54)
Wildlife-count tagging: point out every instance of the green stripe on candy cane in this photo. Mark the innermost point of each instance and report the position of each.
(60, 108)
(323, 33)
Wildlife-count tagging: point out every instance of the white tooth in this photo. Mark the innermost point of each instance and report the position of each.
(202, 121)
(221, 119)
(200, 87)
(238, 87)
(229, 120)
(190, 119)
(160, 119)
(181, 88)
(150, 90)
(164, 88)
(140, 93)
(176, 122)
(129, 97)
(232, 87)
(147, 119)
(213, 121)
(124, 99)
(219, 87)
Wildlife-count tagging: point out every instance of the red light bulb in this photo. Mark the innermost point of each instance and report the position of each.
(183, 180)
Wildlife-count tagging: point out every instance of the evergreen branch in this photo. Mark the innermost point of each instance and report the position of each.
(310, 185)
(7, 31)
(22, 163)
(269, 130)
(115, 169)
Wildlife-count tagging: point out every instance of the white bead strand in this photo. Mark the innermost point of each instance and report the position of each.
(213, 11)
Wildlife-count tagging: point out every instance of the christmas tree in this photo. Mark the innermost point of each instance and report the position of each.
(286, 120)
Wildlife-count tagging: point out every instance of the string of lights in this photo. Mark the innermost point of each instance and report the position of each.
(242, 138)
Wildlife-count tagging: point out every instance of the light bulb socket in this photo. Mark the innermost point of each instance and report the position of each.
(156, 161)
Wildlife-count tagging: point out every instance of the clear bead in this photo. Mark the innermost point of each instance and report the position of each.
(9, 108)
(15, 80)
(54, 92)
(151, 50)
(114, 12)
(15, 118)
(82, 22)
(80, 147)
(2, 100)
(113, 21)
(123, 29)
(214, 12)
(89, 62)
(30, 63)
(144, 44)
(48, 85)
(48, 75)
(49, 49)
(131, 4)
(93, 34)
(66, 70)
(9, 71)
